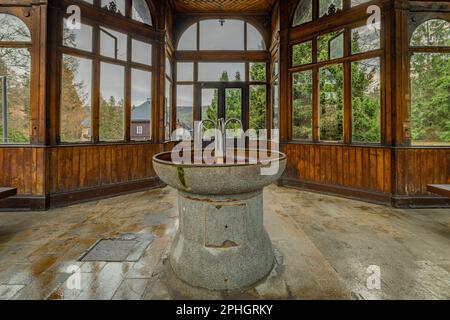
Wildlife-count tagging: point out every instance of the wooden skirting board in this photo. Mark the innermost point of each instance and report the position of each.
(24, 203)
(368, 196)
(335, 190)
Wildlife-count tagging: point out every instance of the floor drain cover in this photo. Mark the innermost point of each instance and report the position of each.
(124, 249)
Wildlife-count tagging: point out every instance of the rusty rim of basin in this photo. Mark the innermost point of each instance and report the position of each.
(166, 159)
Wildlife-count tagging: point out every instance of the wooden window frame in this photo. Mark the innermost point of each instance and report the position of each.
(346, 5)
(419, 19)
(222, 56)
(312, 34)
(146, 35)
(170, 78)
(34, 77)
(197, 23)
(128, 10)
(245, 85)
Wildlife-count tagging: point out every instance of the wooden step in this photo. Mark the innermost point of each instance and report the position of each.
(7, 192)
(440, 189)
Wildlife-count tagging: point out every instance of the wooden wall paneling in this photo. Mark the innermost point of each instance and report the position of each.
(352, 166)
(448, 167)
(387, 171)
(372, 169)
(317, 163)
(359, 167)
(104, 166)
(66, 177)
(84, 167)
(304, 162)
(22, 168)
(223, 6)
(380, 170)
(25, 170)
(443, 164)
(334, 165)
(339, 162)
(366, 168)
(345, 171)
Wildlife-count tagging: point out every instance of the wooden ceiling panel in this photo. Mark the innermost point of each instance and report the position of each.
(226, 6)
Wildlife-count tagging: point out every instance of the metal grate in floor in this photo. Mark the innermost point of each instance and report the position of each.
(127, 248)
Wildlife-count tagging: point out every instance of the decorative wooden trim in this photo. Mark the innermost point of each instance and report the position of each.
(30, 203)
(217, 56)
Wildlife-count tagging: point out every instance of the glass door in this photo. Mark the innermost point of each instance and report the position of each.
(210, 101)
(221, 101)
(233, 105)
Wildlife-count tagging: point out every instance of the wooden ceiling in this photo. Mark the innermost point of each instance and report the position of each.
(225, 6)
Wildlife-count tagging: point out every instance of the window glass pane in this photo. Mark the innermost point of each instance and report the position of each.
(358, 2)
(76, 99)
(113, 44)
(366, 101)
(141, 105)
(210, 106)
(302, 103)
(430, 98)
(233, 108)
(221, 35)
(141, 52)
(112, 78)
(303, 13)
(185, 107)
(432, 33)
(331, 87)
(257, 71)
(330, 46)
(115, 6)
(188, 40)
(221, 71)
(302, 54)
(140, 12)
(168, 68)
(185, 71)
(276, 105)
(13, 29)
(329, 7)
(255, 40)
(258, 107)
(168, 110)
(78, 38)
(366, 38)
(15, 65)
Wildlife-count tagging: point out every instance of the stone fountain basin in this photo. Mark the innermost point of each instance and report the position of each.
(221, 242)
(218, 179)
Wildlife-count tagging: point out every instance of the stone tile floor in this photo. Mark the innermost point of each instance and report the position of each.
(324, 247)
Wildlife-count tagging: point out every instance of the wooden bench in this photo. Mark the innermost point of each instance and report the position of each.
(439, 189)
(7, 192)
